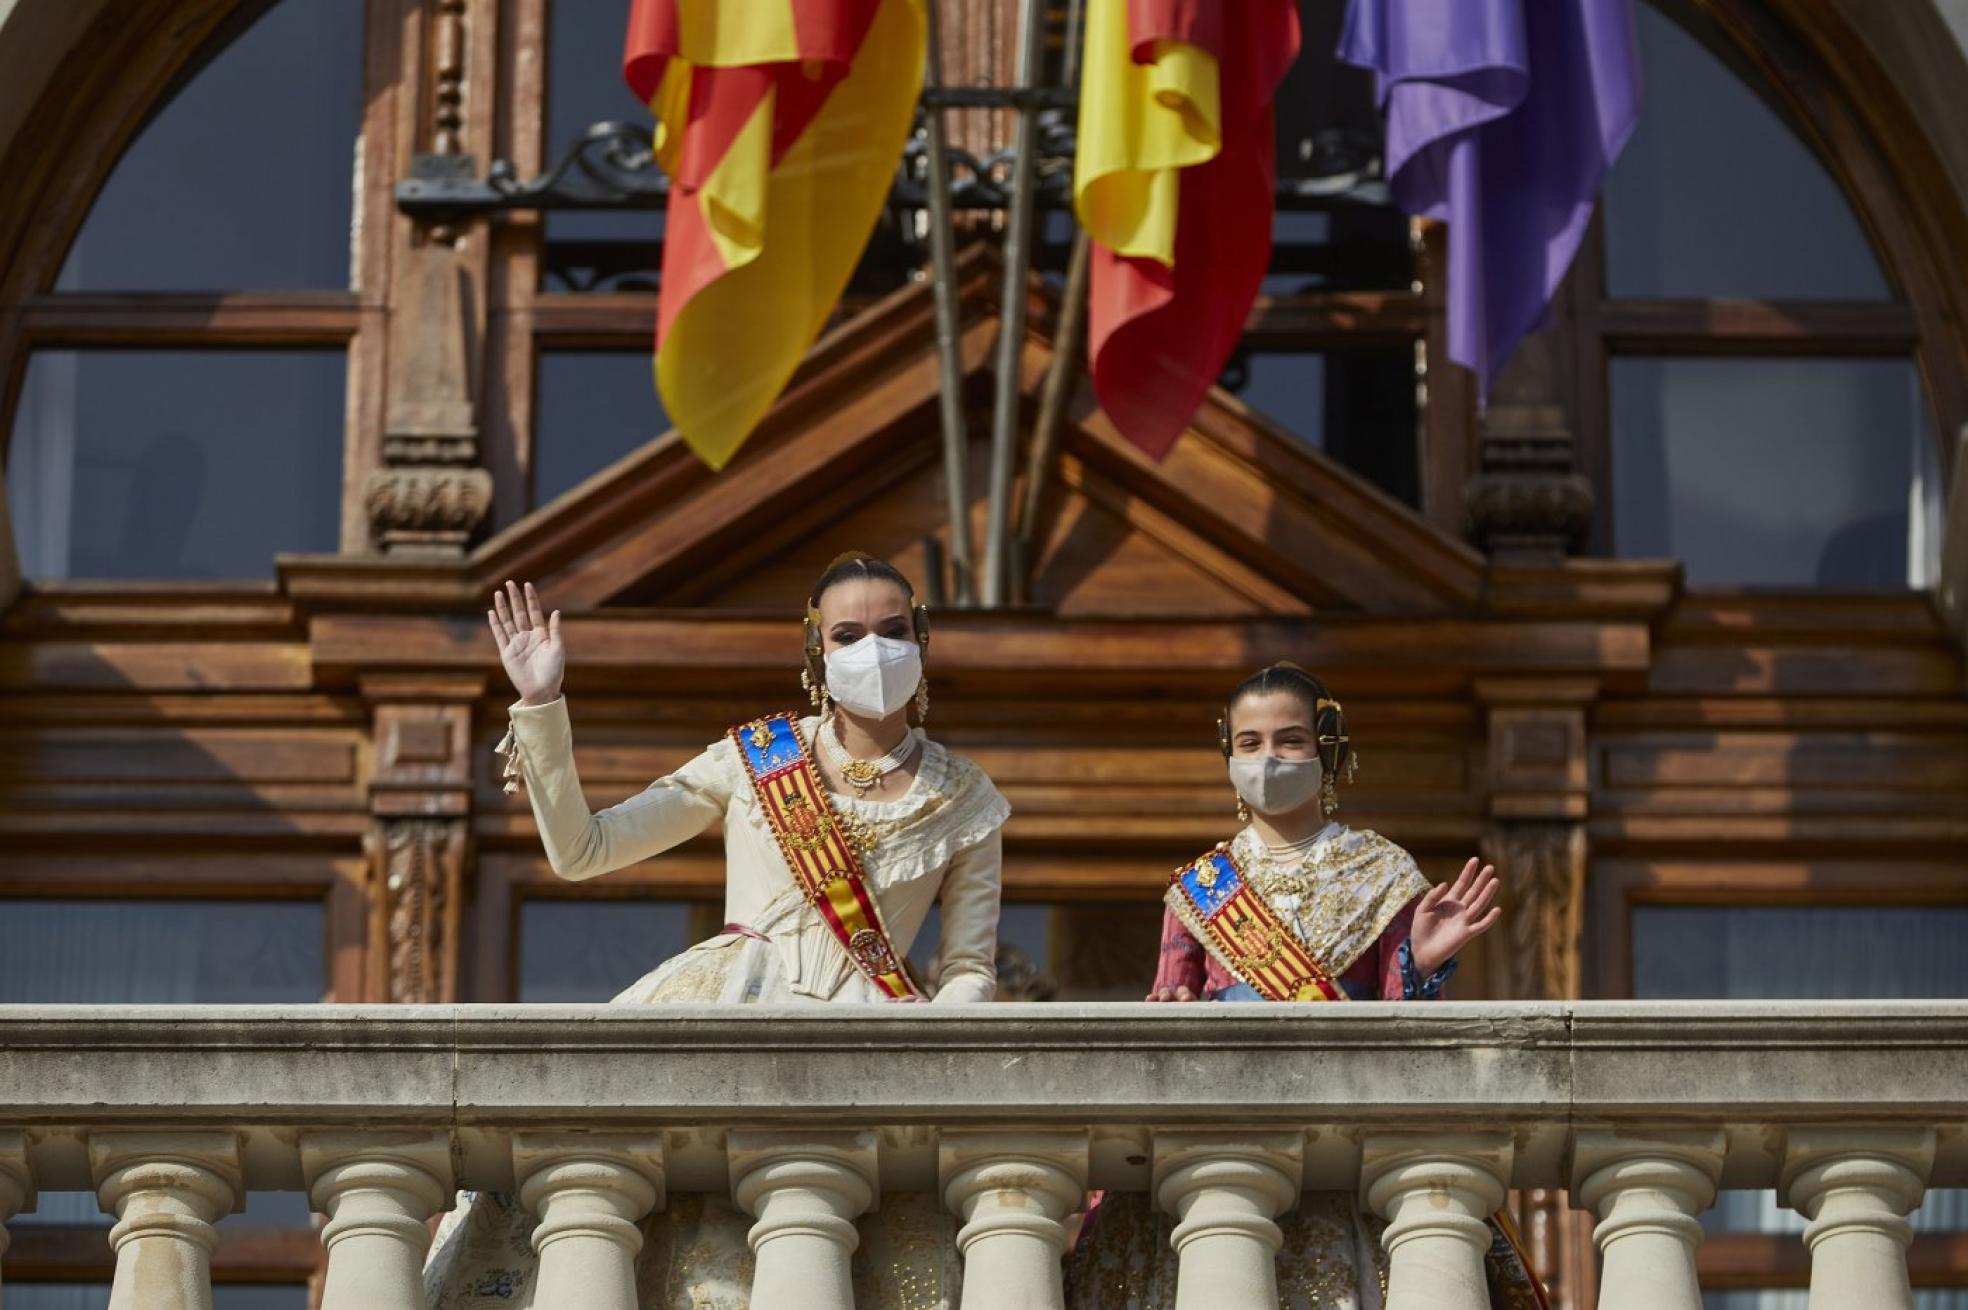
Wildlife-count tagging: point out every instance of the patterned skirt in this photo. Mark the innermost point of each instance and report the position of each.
(695, 1253)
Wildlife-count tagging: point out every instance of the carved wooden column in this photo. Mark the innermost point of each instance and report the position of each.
(1537, 841)
(415, 481)
(1528, 504)
(420, 833)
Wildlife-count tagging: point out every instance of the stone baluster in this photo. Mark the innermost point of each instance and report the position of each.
(1226, 1191)
(806, 1190)
(1437, 1194)
(591, 1192)
(16, 1183)
(167, 1190)
(1856, 1187)
(1647, 1189)
(379, 1190)
(1013, 1191)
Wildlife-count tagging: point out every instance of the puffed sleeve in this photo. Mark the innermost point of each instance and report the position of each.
(967, 959)
(1183, 961)
(582, 845)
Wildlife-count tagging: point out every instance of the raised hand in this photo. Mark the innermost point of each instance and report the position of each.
(529, 643)
(1451, 915)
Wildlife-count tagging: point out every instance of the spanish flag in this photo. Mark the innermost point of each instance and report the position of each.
(779, 123)
(1174, 185)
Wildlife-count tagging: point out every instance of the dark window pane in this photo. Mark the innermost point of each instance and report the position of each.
(594, 407)
(1715, 195)
(1777, 472)
(590, 950)
(1343, 248)
(1815, 953)
(1024, 926)
(244, 178)
(162, 952)
(175, 463)
(1358, 406)
(593, 251)
(1079, 950)
(93, 1296)
(1336, 229)
(263, 1210)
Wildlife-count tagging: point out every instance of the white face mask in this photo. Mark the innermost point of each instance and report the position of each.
(1270, 785)
(875, 676)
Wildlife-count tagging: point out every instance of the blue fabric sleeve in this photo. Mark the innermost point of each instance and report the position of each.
(1413, 986)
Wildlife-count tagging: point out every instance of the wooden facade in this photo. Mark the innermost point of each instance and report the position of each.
(1608, 735)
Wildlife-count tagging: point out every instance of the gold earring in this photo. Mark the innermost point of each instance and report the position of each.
(922, 700)
(1243, 811)
(812, 692)
(1329, 797)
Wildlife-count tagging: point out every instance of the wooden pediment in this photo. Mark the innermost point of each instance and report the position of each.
(1241, 520)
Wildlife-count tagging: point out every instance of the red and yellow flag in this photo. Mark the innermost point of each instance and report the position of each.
(779, 123)
(1174, 185)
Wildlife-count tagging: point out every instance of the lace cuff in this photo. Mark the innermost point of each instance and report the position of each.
(1413, 986)
(511, 772)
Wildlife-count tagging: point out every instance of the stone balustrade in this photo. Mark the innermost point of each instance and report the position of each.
(596, 1116)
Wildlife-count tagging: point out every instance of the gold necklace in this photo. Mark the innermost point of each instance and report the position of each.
(864, 774)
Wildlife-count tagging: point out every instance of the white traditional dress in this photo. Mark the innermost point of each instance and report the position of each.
(939, 842)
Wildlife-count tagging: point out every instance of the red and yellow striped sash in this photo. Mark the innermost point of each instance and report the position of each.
(817, 850)
(1216, 902)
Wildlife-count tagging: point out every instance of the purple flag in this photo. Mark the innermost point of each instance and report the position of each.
(1502, 119)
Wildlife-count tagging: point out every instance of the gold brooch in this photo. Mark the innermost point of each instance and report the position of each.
(761, 735)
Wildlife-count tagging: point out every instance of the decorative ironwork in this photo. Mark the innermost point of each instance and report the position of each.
(612, 166)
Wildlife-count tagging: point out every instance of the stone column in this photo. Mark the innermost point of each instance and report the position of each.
(806, 1190)
(1013, 1190)
(16, 1182)
(1437, 1194)
(590, 1192)
(1857, 1186)
(166, 1191)
(379, 1190)
(1227, 1190)
(1647, 1191)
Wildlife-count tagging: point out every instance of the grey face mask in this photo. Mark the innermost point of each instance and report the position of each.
(1270, 785)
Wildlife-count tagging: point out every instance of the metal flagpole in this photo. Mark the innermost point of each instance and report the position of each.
(1067, 357)
(943, 273)
(1011, 317)
(1066, 360)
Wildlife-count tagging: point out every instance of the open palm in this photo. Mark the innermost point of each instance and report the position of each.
(1451, 915)
(529, 643)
